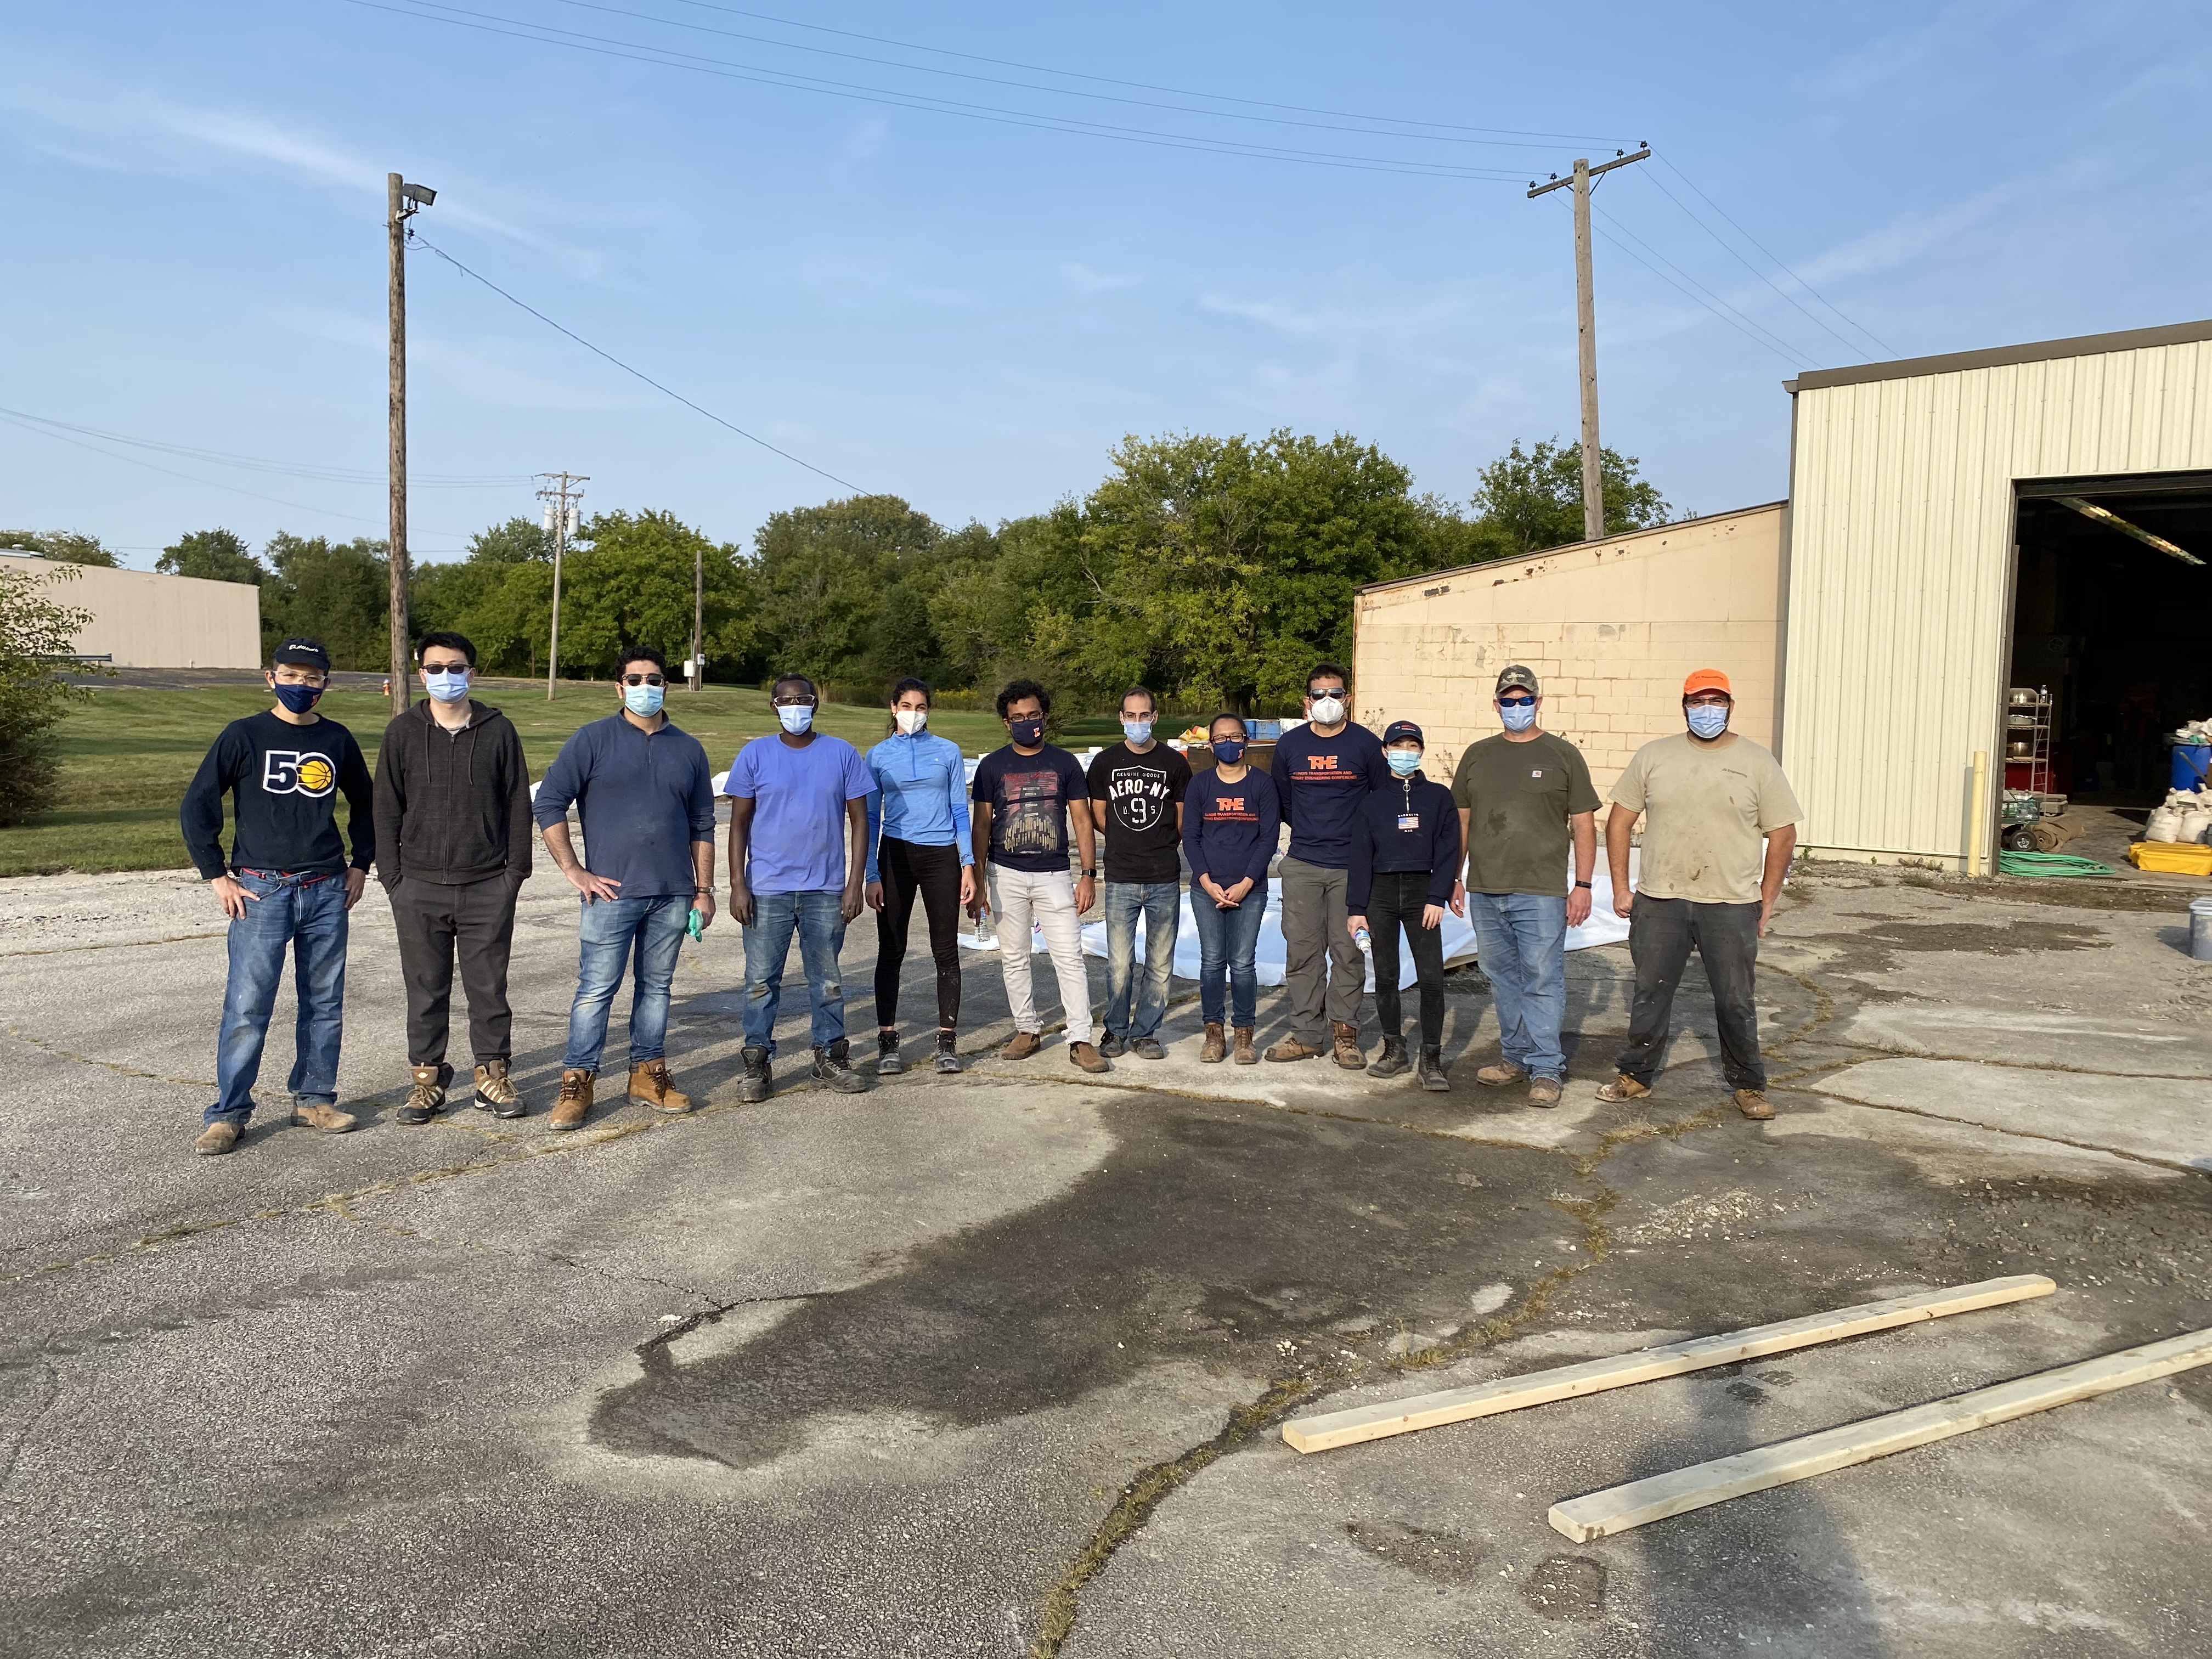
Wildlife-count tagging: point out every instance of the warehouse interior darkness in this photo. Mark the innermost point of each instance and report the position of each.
(2115, 628)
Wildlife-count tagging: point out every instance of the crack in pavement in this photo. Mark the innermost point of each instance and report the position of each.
(2000, 1129)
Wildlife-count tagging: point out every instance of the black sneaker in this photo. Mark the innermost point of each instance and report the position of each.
(1113, 1048)
(759, 1079)
(834, 1065)
(1148, 1049)
(947, 1062)
(888, 1063)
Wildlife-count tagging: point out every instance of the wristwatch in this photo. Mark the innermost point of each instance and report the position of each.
(1582, 883)
(1091, 875)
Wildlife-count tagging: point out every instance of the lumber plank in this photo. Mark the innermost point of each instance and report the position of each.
(1602, 1514)
(1328, 1430)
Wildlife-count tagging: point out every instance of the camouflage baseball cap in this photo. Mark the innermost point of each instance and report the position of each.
(1517, 678)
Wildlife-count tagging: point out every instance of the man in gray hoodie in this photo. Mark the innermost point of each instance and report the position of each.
(453, 809)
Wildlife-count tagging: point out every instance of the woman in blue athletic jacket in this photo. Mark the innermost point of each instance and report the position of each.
(1405, 857)
(917, 845)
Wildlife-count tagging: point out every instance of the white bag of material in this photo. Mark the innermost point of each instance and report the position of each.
(2164, 825)
(2193, 822)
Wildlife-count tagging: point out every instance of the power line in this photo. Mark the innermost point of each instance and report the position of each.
(429, 11)
(1705, 295)
(417, 239)
(1736, 322)
(287, 469)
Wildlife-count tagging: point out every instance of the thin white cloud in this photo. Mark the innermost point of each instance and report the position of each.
(456, 368)
(1083, 279)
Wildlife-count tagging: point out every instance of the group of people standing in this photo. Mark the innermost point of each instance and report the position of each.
(818, 831)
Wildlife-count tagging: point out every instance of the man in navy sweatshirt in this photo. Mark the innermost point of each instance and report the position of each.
(286, 887)
(1405, 863)
(1323, 772)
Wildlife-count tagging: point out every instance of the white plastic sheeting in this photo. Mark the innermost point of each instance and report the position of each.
(1603, 927)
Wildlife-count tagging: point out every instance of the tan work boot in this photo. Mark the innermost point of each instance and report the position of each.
(1542, 1090)
(1497, 1076)
(1215, 1048)
(1349, 1054)
(1084, 1056)
(575, 1101)
(1025, 1044)
(313, 1115)
(1295, 1047)
(217, 1140)
(427, 1098)
(1623, 1087)
(1246, 1054)
(1754, 1104)
(650, 1084)
(495, 1091)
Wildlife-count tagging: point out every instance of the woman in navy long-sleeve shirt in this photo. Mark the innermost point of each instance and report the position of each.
(1405, 859)
(1230, 819)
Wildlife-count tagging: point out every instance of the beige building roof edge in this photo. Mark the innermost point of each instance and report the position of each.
(1631, 538)
(2036, 351)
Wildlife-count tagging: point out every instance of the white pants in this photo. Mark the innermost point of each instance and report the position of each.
(1046, 899)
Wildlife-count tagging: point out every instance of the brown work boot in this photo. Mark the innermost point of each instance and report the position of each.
(427, 1098)
(1754, 1104)
(313, 1115)
(1295, 1047)
(650, 1084)
(217, 1139)
(575, 1103)
(1497, 1076)
(1349, 1054)
(1542, 1090)
(1623, 1087)
(1246, 1054)
(1087, 1057)
(495, 1091)
(1025, 1044)
(1215, 1047)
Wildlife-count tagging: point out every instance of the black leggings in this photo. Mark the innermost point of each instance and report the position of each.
(1399, 897)
(934, 873)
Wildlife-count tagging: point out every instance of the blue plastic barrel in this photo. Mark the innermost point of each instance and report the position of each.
(2192, 766)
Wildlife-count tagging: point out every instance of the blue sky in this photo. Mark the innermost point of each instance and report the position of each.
(970, 313)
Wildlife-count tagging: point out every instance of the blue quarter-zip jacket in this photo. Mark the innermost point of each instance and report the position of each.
(921, 794)
(645, 797)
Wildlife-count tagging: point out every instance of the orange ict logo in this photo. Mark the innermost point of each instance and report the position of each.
(1321, 763)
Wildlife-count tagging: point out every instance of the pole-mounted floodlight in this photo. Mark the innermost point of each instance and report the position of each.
(417, 197)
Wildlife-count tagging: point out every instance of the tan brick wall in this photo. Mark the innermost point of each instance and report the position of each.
(1610, 627)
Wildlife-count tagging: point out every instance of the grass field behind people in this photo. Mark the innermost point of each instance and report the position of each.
(128, 753)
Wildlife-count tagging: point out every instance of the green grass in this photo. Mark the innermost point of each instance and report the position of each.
(129, 754)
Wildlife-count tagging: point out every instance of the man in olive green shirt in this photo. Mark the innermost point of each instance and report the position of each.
(1524, 798)
(1708, 796)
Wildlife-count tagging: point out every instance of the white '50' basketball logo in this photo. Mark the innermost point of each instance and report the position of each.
(297, 772)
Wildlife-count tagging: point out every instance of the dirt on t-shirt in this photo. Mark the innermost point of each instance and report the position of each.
(1520, 796)
(1705, 809)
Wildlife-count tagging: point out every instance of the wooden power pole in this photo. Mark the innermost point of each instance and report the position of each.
(1586, 328)
(698, 615)
(560, 496)
(402, 202)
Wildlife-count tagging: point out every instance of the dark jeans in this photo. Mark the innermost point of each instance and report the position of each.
(305, 915)
(643, 935)
(1660, 934)
(1399, 898)
(437, 922)
(1228, 942)
(933, 872)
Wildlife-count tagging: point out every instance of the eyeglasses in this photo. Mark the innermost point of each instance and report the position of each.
(793, 702)
(643, 679)
(1516, 702)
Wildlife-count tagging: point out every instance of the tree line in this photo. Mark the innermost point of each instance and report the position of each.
(1216, 569)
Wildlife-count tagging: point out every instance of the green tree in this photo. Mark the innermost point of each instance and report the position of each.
(216, 556)
(512, 543)
(845, 588)
(1532, 499)
(338, 592)
(35, 627)
(630, 583)
(62, 546)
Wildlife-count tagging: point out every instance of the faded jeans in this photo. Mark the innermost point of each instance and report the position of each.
(1046, 899)
(819, 922)
(1521, 942)
(1160, 903)
(307, 915)
(643, 934)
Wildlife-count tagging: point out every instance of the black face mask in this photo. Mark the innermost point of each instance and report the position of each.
(1028, 733)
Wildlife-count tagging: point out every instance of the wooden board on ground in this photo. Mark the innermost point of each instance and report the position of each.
(1331, 1429)
(1602, 1514)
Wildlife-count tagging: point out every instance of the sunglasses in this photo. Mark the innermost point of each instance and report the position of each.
(643, 679)
(1516, 702)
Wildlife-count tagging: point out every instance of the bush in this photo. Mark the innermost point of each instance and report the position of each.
(34, 631)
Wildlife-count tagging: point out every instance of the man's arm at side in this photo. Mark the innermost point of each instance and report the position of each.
(1781, 848)
(979, 842)
(521, 856)
(391, 791)
(361, 816)
(741, 840)
(1583, 827)
(1617, 824)
(856, 825)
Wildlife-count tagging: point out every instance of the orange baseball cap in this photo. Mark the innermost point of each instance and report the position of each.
(1706, 679)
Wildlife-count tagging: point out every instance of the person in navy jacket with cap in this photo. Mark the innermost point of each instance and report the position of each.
(1405, 849)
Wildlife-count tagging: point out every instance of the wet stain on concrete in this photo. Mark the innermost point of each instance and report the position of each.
(1566, 1587)
(1874, 948)
(1214, 1233)
(1442, 1558)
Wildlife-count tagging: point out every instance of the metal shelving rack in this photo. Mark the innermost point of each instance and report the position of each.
(2029, 721)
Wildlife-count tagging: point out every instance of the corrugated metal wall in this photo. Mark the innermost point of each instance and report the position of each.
(1900, 562)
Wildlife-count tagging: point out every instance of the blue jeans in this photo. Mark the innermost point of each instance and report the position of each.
(644, 935)
(1227, 940)
(1521, 943)
(820, 925)
(1160, 903)
(307, 915)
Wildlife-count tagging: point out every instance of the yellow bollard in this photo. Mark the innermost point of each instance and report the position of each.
(1981, 812)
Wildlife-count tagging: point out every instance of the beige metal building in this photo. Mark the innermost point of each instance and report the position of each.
(1610, 627)
(143, 620)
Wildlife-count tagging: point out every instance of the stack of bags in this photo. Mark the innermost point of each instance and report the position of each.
(2186, 817)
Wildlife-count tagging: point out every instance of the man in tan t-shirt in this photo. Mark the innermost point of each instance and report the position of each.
(1707, 796)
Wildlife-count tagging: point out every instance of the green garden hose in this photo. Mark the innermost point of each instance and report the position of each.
(2050, 864)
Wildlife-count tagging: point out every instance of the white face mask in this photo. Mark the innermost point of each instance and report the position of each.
(1328, 711)
(910, 720)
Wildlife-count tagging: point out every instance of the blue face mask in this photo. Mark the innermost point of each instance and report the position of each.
(1403, 761)
(1708, 721)
(299, 699)
(447, 686)
(643, 700)
(1517, 718)
(1137, 731)
(1228, 751)
(797, 718)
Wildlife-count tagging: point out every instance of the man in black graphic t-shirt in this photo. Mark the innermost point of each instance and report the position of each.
(1136, 798)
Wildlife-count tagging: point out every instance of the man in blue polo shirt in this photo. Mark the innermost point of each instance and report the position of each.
(648, 803)
(799, 830)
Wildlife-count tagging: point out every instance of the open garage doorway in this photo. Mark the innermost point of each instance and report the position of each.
(2112, 593)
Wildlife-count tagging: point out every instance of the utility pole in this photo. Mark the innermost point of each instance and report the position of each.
(402, 201)
(559, 497)
(698, 615)
(1586, 328)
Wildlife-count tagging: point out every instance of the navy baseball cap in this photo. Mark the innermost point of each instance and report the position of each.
(1400, 731)
(301, 651)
